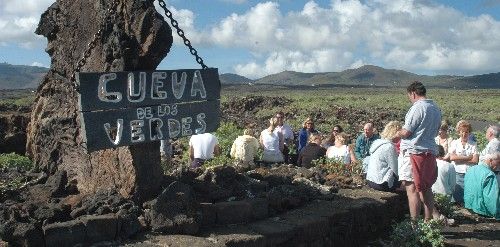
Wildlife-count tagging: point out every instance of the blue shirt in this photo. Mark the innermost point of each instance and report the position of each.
(423, 121)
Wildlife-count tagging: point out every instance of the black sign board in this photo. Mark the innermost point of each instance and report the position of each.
(126, 108)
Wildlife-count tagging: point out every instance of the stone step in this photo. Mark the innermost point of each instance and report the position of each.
(352, 218)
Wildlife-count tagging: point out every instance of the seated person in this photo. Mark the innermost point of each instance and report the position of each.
(492, 135)
(307, 129)
(272, 143)
(463, 154)
(244, 149)
(330, 141)
(363, 143)
(341, 151)
(383, 161)
(202, 147)
(444, 139)
(311, 151)
(481, 192)
(287, 133)
(445, 182)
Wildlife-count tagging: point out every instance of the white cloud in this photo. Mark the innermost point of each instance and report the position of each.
(37, 64)
(415, 35)
(18, 21)
(185, 19)
(406, 34)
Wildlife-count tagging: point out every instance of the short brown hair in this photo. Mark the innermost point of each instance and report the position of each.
(416, 87)
(341, 137)
(314, 136)
(445, 124)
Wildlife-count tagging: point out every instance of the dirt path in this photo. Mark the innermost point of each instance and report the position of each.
(473, 230)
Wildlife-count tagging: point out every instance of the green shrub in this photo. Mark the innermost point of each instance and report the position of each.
(11, 184)
(337, 166)
(13, 160)
(226, 134)
(481, 140)
(417, 233)
(444, 205)
(219, 161)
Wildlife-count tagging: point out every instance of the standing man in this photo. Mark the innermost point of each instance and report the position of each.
(363, 144)
(202, 147)
(287, 133)
(418, 150)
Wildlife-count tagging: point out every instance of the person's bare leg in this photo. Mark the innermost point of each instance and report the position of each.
(428, 200)
(413, 200)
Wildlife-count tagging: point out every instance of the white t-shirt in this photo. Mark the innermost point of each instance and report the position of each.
(341, 153)
(286, 131)
(470, 148)
(203, 145)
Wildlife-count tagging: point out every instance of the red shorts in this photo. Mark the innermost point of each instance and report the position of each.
(424, 170)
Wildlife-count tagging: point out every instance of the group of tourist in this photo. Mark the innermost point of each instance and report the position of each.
(417, 156)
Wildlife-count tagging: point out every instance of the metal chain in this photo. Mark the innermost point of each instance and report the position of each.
(91, 45)
(112, 10)
(180, 32)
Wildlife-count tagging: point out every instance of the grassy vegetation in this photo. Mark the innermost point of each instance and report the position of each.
(19, 97)
(418, 233)
(13, 161)
(478, 104)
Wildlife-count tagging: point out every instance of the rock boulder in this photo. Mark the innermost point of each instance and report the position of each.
(134, 37)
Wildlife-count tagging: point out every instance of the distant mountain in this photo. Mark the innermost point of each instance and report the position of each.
(478, 81)
(370, 75)
(20, 76)
(229, 78)
(287, 78)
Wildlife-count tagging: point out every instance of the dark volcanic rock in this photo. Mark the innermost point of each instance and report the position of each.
(134, 37)
(174, 211)
(13, 132)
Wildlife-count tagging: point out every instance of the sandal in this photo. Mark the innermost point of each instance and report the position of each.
(446, 221)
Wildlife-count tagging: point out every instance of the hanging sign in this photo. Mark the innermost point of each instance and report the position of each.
(126, 108)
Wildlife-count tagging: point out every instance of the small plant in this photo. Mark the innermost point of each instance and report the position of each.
(337, 166)
(219, 161)
(13, 160)
(11, 184)
(417, 233)
(226, 134)
(444, 205)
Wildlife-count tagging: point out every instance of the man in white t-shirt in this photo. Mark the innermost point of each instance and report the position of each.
(202, 147)
(492, 135)
(287, 133)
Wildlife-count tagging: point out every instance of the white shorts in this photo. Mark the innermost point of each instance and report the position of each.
(404, 167)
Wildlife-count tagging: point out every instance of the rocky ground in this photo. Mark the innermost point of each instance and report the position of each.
(41, 209)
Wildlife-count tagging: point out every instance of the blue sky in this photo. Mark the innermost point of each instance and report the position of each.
(257, 38)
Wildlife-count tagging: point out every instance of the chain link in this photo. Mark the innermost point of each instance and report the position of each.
(180, 32)
(91, 45)
(112, 10)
